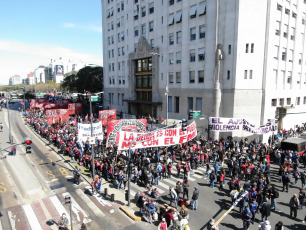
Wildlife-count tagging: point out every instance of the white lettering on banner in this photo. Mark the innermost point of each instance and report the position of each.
(223, 124)
(84, 131)
(159, 138)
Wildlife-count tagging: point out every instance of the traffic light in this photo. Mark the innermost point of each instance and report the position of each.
(190, 115)
(67, 199)
(184, 125)
(28, 142)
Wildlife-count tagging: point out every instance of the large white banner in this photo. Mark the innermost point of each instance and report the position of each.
(84, 131)
(223, 124)
(164, 137)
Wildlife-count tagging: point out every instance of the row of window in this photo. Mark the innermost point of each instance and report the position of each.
(121, 80)
(120, 98)
(287, 11)
(143, 11)
(286, 54)
(285, 29)
(174, 104)
(281, 101)
(120, 66)
(121, 51)
(143, 29)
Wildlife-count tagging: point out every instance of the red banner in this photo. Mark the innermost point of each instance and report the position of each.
(107, 115)
(129, 125)
(78, 108)
(52, 116)
(63, 115)
(71, 108)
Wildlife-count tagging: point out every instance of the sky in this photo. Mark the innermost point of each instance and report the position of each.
(35, 31)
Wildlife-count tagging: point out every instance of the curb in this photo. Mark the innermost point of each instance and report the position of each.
(132, 216)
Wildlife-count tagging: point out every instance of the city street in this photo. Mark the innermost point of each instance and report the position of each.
(54, 176)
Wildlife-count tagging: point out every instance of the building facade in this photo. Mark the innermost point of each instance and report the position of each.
(15, 80)
(225, 58)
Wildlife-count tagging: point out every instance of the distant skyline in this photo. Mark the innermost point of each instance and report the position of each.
(34, 32)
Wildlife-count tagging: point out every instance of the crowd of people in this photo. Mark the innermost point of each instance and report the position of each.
(243, 165)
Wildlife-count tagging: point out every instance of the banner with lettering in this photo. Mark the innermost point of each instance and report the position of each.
(129, 125)
(63, 115)
(52, 116)
(84, 131)
(107, 115)
(164, 137)
(71, 108)
(223, 124)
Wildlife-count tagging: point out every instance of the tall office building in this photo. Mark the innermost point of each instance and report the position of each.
(225, 58)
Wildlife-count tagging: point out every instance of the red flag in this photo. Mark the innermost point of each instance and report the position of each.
(161, 119)
(86, 117)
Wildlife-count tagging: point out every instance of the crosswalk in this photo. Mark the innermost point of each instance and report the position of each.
(164, 184)
(43, 214)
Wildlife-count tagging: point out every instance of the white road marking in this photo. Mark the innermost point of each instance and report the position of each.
(33, 221)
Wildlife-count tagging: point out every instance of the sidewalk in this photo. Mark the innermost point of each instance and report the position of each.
(131, 211)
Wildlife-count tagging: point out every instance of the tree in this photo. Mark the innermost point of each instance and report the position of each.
(87, 79)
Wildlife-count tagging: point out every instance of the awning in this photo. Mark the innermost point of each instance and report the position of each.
(143, 102)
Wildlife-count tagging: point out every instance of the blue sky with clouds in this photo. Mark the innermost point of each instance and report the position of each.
(33, 32)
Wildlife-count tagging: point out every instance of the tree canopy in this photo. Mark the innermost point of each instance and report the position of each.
(87, 79)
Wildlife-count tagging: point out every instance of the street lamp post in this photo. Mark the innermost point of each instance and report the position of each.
(167, 89)
(9, 120)
(208, 129)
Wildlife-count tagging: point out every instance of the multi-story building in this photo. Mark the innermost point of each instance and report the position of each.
(15, 80)
(39, 74)
(225, 58)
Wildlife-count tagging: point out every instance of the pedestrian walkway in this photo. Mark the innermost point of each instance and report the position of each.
(45, 213)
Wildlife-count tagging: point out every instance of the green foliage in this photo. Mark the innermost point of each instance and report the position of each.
(87, 79)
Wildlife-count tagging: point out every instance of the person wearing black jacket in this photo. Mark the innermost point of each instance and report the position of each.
(265, 210)
(195, 197)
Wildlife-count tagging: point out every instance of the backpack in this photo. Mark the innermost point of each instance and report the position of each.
(159, 169)
(212, 176)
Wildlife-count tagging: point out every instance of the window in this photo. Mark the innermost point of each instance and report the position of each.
(178, 17)
(252, 47)
(199, 104)
(276, 51)
(304, 102)
(192, 55)
(178, 57)
(201, 76)
(177, 104)
(245, 74)
(122, 98)
(171, 58)
(201, 54)
(151, 7)
(228, 74)
(190, 103)
(170, 104)
(171, 78)
(293, 15)
(292, 32)
(251, 74)
(284, 55)
(178, 77)
(193, 11)
(118, 23)
(171, 39)
(143, 11)
(290, 55)
(135, 1)
(287, 11)
(288, 101)
(298, 100)
(171, 19)
(202, 31)
(191, 76)
(273, 102)
(179, 37)
(136, 32)
(229, 49)
(300, 58)
(143, 29)
(122, 6)
(152, 43)
(192, 34)
(118, 8)
(151, 26)
(135, 14)
(247, 47)
(202, 8)
(279, 7)
(171, 2)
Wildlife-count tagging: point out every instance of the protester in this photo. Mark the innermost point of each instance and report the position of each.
(63, 222)
(294, 205)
